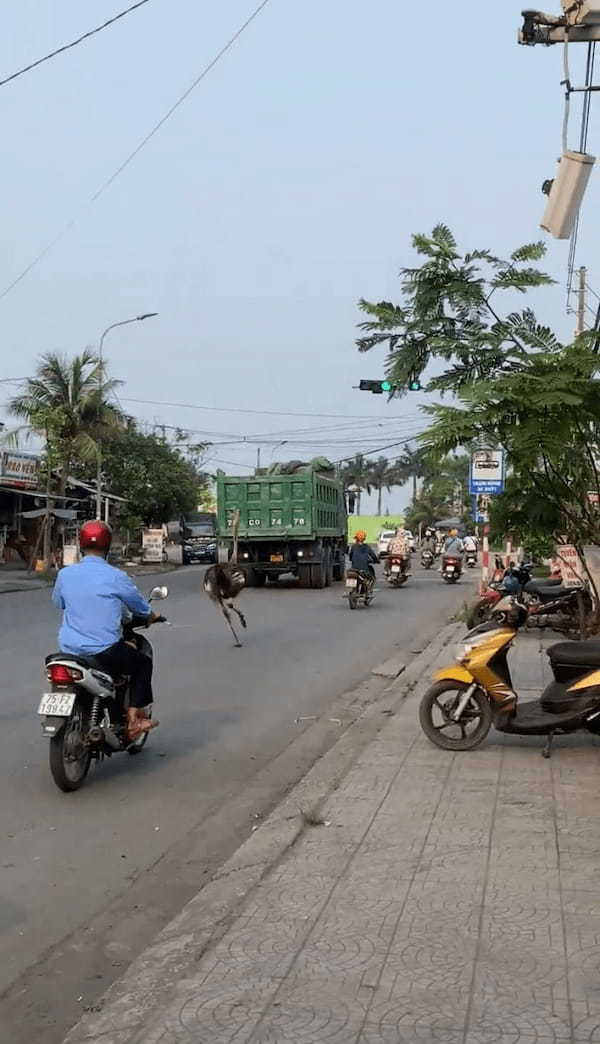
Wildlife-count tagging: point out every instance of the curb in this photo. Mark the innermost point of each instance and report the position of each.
(129, 1003)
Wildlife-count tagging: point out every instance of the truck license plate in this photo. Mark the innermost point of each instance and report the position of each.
(277, 558)
(57, 704)
(396, 569)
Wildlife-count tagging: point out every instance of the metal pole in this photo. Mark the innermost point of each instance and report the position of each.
(581, 302)
(123, 322)
(258, 459)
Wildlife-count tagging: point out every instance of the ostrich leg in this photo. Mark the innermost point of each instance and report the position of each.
(227, 616)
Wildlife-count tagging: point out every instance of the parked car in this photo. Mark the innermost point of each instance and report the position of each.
(384, 541)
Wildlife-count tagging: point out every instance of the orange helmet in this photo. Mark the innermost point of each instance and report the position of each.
(360, 536)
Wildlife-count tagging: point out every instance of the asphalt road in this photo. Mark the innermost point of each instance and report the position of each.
(88, 878)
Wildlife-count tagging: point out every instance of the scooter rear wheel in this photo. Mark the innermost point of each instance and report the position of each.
(438, 704)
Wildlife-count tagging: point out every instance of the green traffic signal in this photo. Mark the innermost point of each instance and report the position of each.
(415, 386)
(386, 386)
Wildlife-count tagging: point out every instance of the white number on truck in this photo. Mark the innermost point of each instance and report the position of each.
(254, 521)
(299, 522)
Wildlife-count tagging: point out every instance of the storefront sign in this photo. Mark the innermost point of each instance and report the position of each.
(19, 469)
(152, 545)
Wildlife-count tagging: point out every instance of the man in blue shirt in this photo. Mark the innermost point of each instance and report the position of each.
(93, 596)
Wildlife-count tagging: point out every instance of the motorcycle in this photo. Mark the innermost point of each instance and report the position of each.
(471, 559)
(427, 559)
(84, 714)
(466, 699)
(548, 603)
(397, 568)
(359, 588)
(504, 581)
(451, 568)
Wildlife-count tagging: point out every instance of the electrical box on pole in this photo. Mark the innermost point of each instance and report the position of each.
(566, 193)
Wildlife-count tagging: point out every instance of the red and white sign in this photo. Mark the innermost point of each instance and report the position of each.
(570, 566)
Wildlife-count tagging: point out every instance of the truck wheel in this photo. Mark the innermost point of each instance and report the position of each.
(304, 577)
(337, 571)
(317, 576)
(258, 579)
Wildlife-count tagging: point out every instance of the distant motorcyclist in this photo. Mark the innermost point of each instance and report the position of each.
(399, 547)
(93, 595)
(428, 542)
(470, 544)
(362, 557)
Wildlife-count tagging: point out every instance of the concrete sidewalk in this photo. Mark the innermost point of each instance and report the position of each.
(443, 897)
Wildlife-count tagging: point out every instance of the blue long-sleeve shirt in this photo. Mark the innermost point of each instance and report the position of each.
(92, 595)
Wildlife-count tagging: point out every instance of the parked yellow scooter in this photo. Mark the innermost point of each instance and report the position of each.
(476, 692)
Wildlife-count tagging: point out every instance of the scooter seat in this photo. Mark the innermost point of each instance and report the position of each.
(547, 593)
(576, 654)
(82, 661)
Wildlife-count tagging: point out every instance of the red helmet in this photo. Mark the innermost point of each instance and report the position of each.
(95, 535)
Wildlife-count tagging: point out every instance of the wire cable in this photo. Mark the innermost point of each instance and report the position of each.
(136, 151)
(269, 413)
(74, 43)
(583, 140)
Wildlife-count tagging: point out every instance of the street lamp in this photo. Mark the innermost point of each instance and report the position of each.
(113, 326)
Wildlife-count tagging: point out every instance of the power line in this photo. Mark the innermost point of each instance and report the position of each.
(74, 43)
(132, 155)
(265, 413)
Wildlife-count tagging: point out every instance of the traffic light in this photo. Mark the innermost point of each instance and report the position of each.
(379, 387)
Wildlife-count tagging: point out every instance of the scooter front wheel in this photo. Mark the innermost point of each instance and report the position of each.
(436, 710)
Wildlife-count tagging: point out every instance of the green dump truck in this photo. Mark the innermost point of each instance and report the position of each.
(292, 519)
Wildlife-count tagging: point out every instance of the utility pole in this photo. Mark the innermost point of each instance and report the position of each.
(258, 460)
(581, 301)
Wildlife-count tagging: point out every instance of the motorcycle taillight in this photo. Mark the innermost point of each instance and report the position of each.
(60, 674)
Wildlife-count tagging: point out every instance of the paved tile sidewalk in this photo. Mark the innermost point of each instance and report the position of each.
(453, 898)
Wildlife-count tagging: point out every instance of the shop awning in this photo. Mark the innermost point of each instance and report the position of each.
(66, 514)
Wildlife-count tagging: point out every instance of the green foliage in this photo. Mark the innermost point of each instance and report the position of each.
(156, 478)
(444, 492)
(448, 313)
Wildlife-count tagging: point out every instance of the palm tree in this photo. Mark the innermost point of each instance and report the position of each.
(356, 473)
(67, 404)
(380, 476)
(413, 465)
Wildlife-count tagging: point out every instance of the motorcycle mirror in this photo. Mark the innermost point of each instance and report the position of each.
(159, 592)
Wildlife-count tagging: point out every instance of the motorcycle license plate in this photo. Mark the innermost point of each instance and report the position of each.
(396, 569)
(350, 583)
(57, 704)
(449, 569)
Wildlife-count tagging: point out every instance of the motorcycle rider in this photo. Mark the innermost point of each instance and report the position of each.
(362, 556)
(398, 548)
(454, 545)
(470, 544)
(428, 542)
(92, 596)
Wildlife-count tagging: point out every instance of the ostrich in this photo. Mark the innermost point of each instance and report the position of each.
(223, 583)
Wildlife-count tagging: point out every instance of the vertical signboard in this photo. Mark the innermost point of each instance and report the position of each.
(487, 472)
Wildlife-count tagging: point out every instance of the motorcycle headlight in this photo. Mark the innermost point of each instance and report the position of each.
(463, 651)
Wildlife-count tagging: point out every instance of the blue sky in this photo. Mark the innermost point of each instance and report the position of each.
(285, 188)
